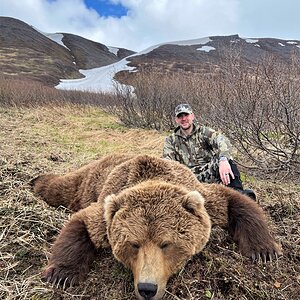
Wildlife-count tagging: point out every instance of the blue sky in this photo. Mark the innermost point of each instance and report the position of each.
(107, 8)
(138, 24)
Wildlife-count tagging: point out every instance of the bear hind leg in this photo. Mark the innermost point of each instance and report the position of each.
(57, 190)
(43, 187)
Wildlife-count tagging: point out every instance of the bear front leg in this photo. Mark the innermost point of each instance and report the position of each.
(75, 248)
(72, 255)
(249, 229)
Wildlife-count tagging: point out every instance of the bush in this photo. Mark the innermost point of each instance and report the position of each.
(257, 108)
(16, 92)
(260, 111)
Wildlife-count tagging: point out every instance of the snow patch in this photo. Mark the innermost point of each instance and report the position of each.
(292, 43)
(113, 50)
(280, 44)
(201, 41)
(55, 37)
(97, 79)
(206, 48)
(251, 41)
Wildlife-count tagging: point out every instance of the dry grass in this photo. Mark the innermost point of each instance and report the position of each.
(37, 140)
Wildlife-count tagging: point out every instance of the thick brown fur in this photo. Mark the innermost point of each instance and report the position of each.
(78, 189)
(152, 212)
(76, 239)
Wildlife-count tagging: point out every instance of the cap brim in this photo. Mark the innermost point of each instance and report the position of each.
(183, 112)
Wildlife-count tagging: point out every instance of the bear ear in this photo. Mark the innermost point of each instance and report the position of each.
(194, 203)
(111, 206)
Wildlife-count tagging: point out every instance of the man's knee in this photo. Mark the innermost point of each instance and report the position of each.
(235, 182)
(234, 168)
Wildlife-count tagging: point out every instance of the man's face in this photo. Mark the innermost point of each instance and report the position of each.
(185, 120)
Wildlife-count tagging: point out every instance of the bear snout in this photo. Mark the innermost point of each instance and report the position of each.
(147, 290)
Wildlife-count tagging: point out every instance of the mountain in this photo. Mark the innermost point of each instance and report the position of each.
(208, 53)
(29, 53)
(205, 55)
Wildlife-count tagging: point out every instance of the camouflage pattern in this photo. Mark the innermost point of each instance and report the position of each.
(200, 151)
(183, 108)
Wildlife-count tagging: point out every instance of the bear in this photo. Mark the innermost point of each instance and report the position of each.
(153, 213)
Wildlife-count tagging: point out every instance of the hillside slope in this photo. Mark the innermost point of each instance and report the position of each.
(60, 138)
(88, 54)
(211, 53)
(30, 54)
(27, 53)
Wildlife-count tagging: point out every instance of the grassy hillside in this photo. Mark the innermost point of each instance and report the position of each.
(61, 138)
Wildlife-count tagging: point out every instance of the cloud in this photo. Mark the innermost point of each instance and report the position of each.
(147, 22)
(151, 22)
(167, 20)
(52, 16)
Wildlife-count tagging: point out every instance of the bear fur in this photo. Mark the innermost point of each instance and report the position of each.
(153, 213)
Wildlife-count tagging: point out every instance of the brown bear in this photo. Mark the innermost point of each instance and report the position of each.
(152, 212)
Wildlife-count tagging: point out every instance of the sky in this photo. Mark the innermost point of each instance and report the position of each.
(139, 24)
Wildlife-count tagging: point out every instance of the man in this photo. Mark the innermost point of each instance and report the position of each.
(205, 151)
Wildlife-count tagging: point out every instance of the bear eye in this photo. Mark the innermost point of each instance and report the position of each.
(164, 245)
(135, 245)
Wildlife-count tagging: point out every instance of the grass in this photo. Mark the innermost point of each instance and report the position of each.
(60, 138)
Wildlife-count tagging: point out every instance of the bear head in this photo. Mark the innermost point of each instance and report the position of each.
(154, 228)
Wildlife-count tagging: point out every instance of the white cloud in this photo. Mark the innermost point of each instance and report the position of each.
(147, 22)
(152, 22)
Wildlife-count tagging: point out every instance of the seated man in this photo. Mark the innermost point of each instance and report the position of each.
(205, 151)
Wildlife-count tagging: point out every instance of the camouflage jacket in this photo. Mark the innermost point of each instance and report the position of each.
(203, 145)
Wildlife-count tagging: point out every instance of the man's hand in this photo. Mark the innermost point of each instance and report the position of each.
(225, 172)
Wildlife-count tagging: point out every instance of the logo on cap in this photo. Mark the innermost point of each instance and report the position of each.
(183, 108)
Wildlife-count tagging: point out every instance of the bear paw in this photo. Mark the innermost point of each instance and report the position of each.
(265, 254)
(60, 276)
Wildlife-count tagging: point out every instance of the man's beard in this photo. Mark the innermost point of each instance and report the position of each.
(187, 128)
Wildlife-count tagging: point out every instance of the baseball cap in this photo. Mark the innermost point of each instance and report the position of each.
(183, 108)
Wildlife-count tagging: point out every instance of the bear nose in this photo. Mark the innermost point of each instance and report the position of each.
(147, 290)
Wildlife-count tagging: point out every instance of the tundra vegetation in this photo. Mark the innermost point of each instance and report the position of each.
(47, 130)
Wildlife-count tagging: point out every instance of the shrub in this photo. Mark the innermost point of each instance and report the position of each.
(257, 108)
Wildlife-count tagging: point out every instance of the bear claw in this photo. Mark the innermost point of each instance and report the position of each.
(56, 277)
(265, 257)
